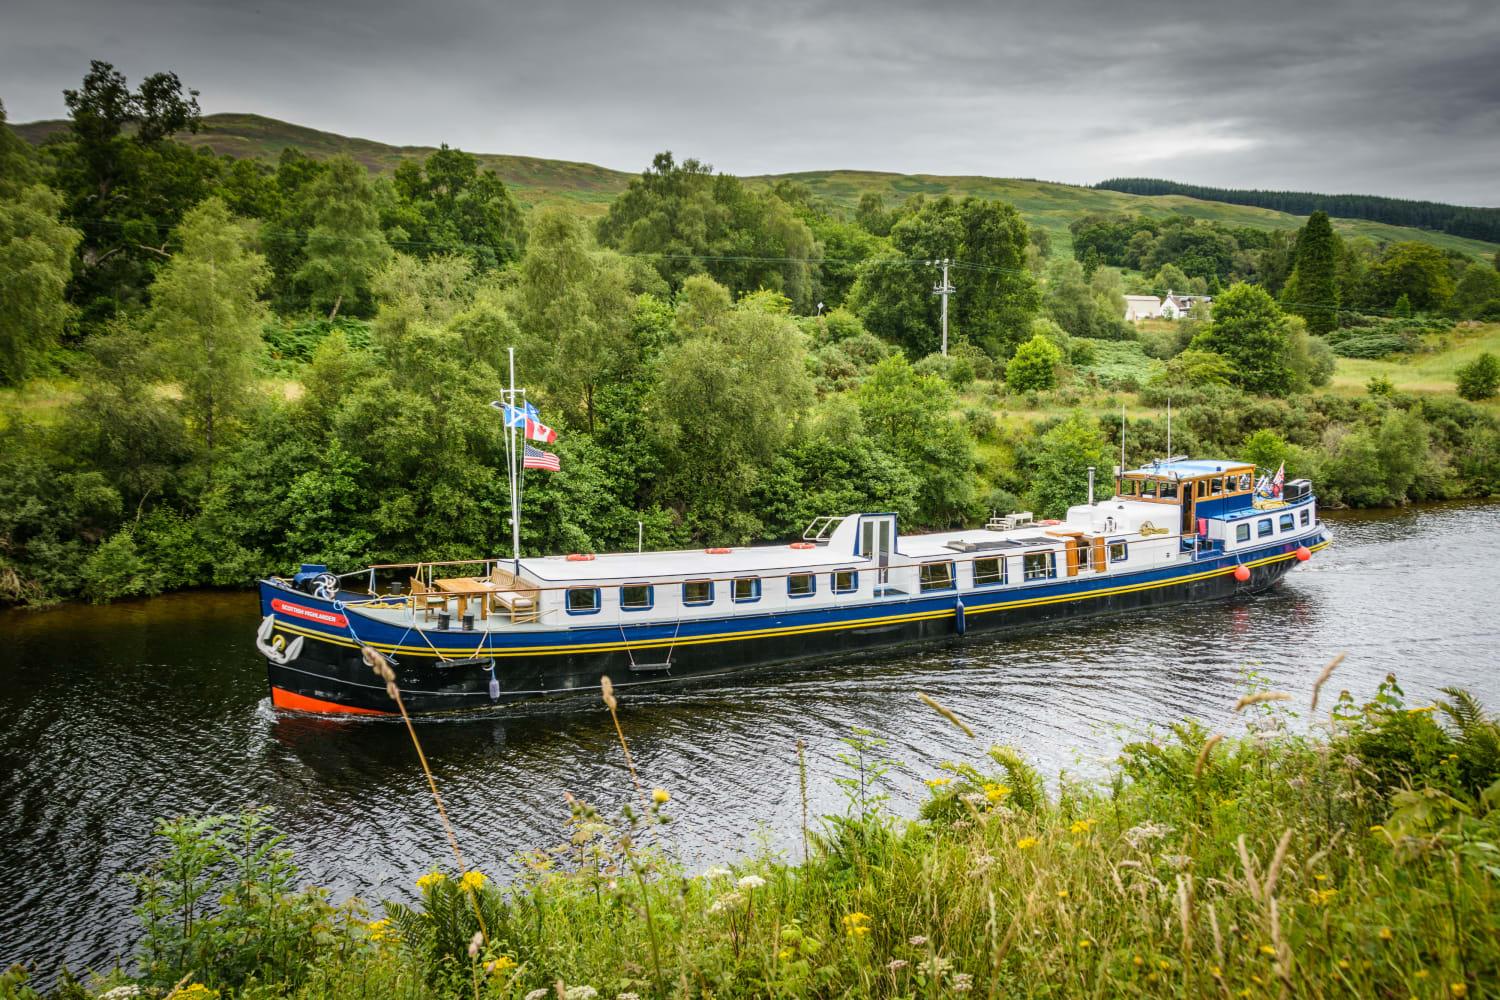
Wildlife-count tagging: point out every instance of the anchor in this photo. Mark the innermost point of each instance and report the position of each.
(275, 649)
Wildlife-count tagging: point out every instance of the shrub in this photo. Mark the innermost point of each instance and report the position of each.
(1480, 378)
(1034, 366)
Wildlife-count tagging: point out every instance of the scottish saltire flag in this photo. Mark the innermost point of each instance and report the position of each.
(536, 458)
(538, 431)
(514, 416)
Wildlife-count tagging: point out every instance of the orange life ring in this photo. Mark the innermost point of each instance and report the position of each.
(580, 557)
(803, 545)
(1050, 520)
(717, 552)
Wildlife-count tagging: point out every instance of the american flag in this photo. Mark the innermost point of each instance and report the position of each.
(536, 458)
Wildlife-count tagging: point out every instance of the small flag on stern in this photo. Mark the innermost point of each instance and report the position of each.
(536, 458)
(1276, 483)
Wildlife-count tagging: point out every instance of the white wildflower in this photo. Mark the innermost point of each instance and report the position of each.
(1177, 861)
(896, 963)
(580, 993)
(127, 992)
(728, 901)
(751, 882)
(628, 996)
(917, 941)
(537, 994)
(1140, 836)
(717, 872)
(962, 982)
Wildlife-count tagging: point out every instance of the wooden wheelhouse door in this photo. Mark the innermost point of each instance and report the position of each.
(1189, 523)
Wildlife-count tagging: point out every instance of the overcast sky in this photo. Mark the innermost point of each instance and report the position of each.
(1367, 96)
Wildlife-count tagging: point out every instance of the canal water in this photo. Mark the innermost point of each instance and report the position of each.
(114, 716)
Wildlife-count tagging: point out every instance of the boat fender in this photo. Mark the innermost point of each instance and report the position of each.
(803, 545)
(580, 556)
(1303, 553)
(1242, 573)
(717, 552)
(959, 625)
(494, 684)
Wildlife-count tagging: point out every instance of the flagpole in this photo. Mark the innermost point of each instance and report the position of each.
(515, 496)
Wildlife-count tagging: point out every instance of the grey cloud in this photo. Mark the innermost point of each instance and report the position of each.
(1348, 95)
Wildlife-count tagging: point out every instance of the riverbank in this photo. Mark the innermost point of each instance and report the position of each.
(1352, 858)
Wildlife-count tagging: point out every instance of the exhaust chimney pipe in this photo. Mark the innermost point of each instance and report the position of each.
(1091, 486)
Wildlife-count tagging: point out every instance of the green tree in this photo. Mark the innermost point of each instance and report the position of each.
(1034, 367)
(687, 220)
(1480, 378)
(575, 310)
(345, 247)
(1418, 272)
(909, 416)
(1312, 292)
(1478, 285)
(35, 265)
(207, 316)
(1059, 468)
(126, 182)
(996, 296)
(1251, 332)
(455, 207)
(18, 162)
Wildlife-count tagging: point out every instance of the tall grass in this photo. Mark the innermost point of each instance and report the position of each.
(1354, 858)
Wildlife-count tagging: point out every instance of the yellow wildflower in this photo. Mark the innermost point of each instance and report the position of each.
(1062, 894)
(1458, 989)
(1217, 972)
(1419, 711)
(1257, 981)
(936, 782)
(1422, 974)
(472, 881)
(1343, 963)
(1164, 964)
(1321, 878)
(857, 924)
(995, 792)
(1377, 828)
(197, 991)
(1026, 843)
(1085, 943)
(660, 795)
(1266, 949)
(502, 964)
(1138, 960)
(784, 955)
(1385, 934)
(1152, 978)
(380, 930)
(1082, 826)
(430, 879)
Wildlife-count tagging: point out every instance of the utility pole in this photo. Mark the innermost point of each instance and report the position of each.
(945, 290)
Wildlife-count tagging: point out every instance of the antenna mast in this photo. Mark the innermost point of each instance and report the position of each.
(515, 493)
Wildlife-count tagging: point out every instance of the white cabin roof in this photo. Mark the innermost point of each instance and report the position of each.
(688, 564)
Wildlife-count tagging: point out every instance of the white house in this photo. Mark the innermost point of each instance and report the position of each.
(1171, 307)
(1142, 307)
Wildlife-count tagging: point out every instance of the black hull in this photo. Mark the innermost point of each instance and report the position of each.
(331, 676)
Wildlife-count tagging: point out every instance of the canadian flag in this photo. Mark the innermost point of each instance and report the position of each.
(538, 431)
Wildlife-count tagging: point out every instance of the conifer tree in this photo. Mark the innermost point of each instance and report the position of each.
(1312, 292)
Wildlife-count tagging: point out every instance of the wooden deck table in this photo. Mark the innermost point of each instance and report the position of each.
(464, 587)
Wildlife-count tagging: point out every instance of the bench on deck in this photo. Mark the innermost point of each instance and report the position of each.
(518, 600)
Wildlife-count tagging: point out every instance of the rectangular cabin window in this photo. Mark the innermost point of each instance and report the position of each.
(845, 581)
(1202, 488)
(1288, 522)
(1306, 517)
(698, 592)
(1263, 527)
(1037, 565)
(1169, 491)
(936, 576)
(988, 572)
(1118, 551)
(583, 600)
(1242, 532)
(1148, 489)
(745, 589)
(636, 596)
(1244, 482)
(801, 585)
(1216, 486)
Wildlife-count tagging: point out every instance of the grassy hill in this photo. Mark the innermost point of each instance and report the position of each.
(589, 189)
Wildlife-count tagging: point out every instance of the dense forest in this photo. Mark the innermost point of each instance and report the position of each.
(1475, 223)
(214, 368)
